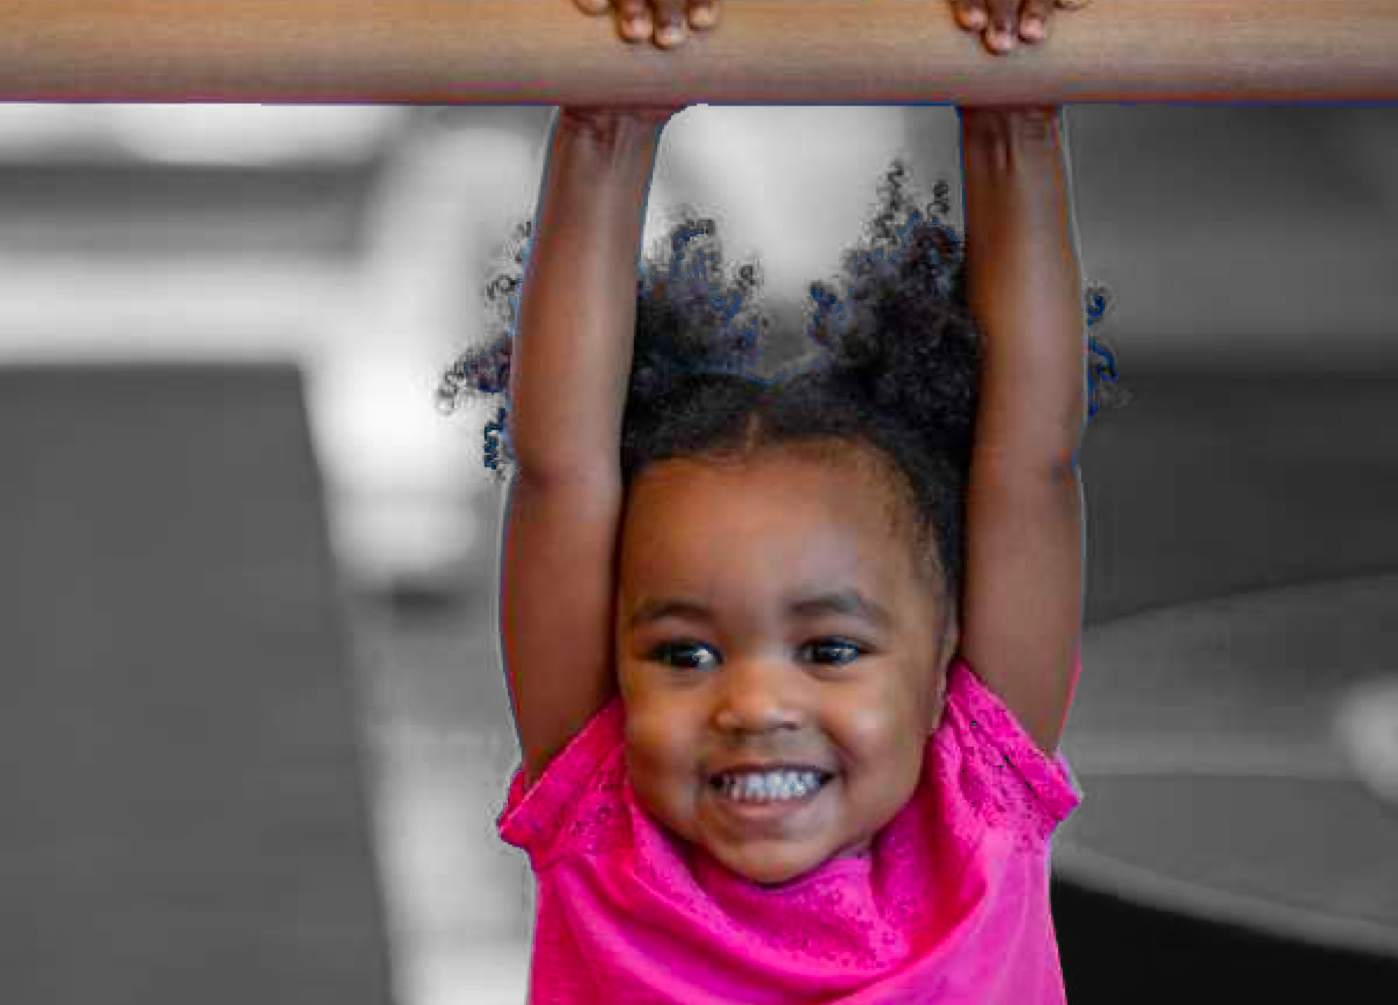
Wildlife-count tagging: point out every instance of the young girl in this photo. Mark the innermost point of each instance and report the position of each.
(790, 659)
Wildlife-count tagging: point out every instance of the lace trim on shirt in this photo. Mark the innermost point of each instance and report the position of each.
(828, 916)
(572, 805)
(1002, 772)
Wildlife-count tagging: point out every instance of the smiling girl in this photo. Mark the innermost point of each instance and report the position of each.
(790, 658)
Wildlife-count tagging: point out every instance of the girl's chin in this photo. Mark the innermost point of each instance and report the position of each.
(765, 865)
(771, 876)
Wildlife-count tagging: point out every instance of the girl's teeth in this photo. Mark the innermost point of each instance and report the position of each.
(771, 787)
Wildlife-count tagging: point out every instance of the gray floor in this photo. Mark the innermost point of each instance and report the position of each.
(185, 816)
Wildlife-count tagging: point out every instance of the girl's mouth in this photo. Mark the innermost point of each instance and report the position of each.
(754, 804)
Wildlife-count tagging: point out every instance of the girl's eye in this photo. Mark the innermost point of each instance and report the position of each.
(662, 653)
(850, 648)
(669, 649)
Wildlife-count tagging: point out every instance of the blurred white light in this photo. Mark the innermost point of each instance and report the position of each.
(252, 134)
(197, 134)
(34, 131)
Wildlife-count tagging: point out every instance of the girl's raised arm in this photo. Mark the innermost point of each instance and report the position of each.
(571, 361)
(569, 371)
(1022, 600)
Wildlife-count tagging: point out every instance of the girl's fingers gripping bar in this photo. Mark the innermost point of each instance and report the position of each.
(634, 20)
(703, 14)
(670, 27)
(970, 14)
(1004, 23)
(1034, 19)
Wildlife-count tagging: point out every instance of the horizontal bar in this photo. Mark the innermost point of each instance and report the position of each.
(511, 52)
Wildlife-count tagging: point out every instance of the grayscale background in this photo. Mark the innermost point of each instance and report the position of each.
(1252, 256)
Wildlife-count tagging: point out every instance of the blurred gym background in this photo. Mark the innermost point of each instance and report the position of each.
(221, 332)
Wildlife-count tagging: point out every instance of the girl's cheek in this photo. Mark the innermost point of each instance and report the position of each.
(654, 739)
(868, 726)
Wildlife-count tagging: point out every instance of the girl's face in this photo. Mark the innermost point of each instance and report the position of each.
(719, 667)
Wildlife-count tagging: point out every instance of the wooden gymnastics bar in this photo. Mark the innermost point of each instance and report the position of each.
(512, 52)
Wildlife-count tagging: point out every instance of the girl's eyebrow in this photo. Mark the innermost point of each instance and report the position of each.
(843, 601)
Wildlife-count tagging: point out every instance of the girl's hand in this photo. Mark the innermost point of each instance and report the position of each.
(1025, 141)
(667, 21)
(1006, 20)
(607, 126)
(1000, 121)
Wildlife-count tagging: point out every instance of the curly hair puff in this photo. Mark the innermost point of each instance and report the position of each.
(895, 365)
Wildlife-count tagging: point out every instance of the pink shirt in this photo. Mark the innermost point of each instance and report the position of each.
(951, 907)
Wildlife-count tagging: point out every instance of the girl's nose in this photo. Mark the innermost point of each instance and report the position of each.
(753, 699)
(750, 718)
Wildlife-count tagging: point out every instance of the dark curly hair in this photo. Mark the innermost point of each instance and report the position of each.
(895, 364)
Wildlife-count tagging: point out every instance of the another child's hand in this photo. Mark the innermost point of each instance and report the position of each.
(1007, 21)
(667, 21)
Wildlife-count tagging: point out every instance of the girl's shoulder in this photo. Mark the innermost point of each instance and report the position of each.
(992, 769)
(572, 805)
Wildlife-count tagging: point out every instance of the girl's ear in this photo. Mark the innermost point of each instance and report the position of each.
(951, 638)
(939, 701)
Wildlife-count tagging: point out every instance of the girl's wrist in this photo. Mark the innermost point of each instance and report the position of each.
(1026, 130)
(612, 132)
(606, 151)
(1013, 153)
